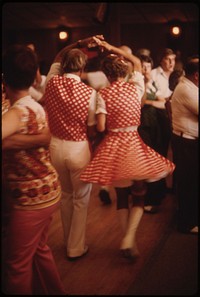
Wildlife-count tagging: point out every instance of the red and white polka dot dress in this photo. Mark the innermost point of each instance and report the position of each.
(123, 156)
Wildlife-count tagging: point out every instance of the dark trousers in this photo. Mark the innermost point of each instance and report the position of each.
(185, 157)
(155, 131)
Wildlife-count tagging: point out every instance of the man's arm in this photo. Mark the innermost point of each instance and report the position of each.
(20, 141)
(55, 68)
(87, 42)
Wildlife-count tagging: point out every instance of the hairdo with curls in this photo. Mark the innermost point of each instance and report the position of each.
(114, 66)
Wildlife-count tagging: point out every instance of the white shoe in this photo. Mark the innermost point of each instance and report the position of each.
(86, 249)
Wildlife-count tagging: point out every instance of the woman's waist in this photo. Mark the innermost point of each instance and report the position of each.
(124, 129)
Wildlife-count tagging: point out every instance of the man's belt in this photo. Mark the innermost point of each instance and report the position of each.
(184, 135)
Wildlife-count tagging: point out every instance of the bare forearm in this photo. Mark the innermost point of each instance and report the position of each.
(132, 58)
(19, 141)
(101, 122)
(87, 42)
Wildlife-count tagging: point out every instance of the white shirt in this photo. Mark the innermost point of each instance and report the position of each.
(137, 79)
(185, 107)
(162, 82)
(38, 92)
(97, 80)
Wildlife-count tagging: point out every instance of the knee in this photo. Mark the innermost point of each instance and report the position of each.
(139, 188)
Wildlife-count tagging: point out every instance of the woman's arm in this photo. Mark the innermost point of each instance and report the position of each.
(55, 68)
(20, 141)
(132, 58)
(101, 122)
(87, 42)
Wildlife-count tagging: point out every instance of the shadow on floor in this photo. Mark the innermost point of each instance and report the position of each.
(172, 270)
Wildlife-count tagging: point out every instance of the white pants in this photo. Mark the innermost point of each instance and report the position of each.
(70, 158)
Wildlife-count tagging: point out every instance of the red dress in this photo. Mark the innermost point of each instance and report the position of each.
(122, 156)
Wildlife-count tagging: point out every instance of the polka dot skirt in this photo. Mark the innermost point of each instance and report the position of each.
(123, 156)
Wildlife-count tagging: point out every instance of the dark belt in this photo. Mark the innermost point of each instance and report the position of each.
(184, 135)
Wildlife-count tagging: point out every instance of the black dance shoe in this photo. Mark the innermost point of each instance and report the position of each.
(105, 197)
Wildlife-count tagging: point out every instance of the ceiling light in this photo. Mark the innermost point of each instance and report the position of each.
(63, 35)
(175, 30)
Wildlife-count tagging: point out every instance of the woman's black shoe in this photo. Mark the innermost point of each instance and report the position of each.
(104, 197)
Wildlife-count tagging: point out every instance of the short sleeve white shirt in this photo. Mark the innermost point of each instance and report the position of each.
(162, 82)
(185, 107)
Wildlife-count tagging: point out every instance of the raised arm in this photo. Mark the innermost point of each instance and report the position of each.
(132, 58)
(55, 68)
(87, 42)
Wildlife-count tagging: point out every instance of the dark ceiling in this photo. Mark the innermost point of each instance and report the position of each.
(49, 15)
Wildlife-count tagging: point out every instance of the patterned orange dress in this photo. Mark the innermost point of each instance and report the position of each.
(122, 156)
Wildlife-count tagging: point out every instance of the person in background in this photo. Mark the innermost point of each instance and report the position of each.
(143, 52)
(149, 129)
(71, 105)
(33, 183)
(122, 159)
(174, 78)
(185, 146)
(92, 74)
(160, 78)
(38, 87)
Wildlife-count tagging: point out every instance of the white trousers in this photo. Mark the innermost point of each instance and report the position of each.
(70, 158)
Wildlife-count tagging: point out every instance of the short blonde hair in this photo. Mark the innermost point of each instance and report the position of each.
(73, 60)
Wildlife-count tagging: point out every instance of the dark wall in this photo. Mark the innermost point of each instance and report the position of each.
(45, 42)
(154, 37)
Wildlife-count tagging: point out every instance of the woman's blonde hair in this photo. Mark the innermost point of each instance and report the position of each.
(73, 60)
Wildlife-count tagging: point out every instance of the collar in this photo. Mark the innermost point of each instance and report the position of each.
(74, 76)
(28, 97)
(162, 72)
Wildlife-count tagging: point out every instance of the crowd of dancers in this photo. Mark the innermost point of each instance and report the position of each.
(109, 124)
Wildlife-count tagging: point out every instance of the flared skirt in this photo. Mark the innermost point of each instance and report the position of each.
(124, 157)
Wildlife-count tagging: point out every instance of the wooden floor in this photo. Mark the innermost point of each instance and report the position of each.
(103, 271)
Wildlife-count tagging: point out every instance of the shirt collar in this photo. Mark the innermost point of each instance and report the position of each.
(28, 97)
(160, 70)
(71, 75)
